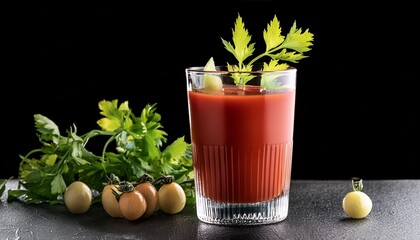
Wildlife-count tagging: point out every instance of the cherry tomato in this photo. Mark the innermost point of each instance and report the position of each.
(357, 204)
(110, 201)
(110, 195)
(132, 203)
(146, 188)
(171, 196)
(78, 197)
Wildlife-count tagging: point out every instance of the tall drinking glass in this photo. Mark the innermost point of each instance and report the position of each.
(241, 126)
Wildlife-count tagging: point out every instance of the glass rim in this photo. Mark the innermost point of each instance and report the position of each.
(200, 69)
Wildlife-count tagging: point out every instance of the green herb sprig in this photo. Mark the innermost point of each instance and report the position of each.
(133, 147)
(278, 48)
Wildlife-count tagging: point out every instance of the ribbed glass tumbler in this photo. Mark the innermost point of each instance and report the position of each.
(241, 126)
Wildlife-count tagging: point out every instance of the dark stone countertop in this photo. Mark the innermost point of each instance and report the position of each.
(315, 213)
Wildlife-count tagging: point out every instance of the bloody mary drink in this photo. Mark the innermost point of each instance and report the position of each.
(242, 145)
(242, 140)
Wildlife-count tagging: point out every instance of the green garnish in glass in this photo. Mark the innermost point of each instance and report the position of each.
(279, 49)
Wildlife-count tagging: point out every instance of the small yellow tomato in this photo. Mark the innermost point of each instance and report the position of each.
(132, 205)
(109, 200)
(78, 197)
(151, 195)
(171, 197)
(357, 204)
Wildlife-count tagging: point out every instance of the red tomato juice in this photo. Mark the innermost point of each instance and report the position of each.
(242, 145)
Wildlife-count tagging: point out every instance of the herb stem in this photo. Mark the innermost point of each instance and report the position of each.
(266, 53)
(111, 139)
(257, 58)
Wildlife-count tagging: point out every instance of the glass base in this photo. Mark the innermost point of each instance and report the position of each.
(219, 213)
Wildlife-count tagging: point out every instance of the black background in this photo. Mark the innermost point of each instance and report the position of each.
(357, 93)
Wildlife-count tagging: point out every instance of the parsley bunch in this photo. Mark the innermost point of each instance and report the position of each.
(133, 147)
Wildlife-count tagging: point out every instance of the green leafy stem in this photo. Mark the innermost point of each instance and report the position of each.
(278, 48)
(133, 147)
